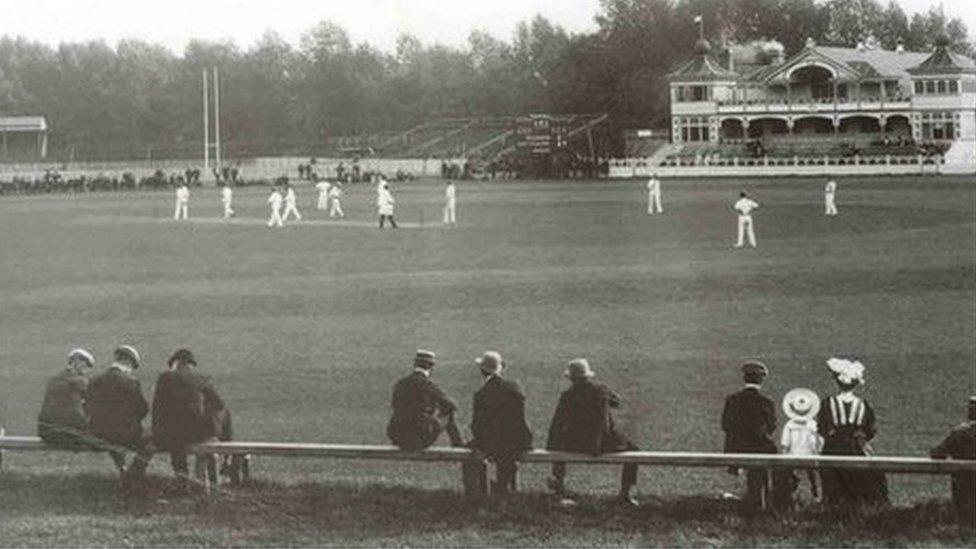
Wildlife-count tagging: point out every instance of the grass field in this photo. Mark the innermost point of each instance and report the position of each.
(304, 329)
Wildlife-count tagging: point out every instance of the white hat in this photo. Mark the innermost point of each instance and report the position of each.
(82, 353)
(579, 368)
(491, 362)
(801, 403)
(846, 371)
(130, 352)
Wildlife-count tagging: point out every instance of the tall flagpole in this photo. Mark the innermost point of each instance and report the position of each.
(216, 81)
(206, 127)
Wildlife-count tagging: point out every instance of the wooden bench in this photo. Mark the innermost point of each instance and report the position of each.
(476, 484)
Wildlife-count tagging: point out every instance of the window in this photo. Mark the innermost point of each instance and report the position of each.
(929, 86)
(953, 86)
(941, 86)
(919, 86)
(938, 125)
(694, 129)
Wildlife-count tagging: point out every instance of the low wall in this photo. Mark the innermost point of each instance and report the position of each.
(639, 167)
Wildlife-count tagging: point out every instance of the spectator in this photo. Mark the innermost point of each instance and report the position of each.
(421, 410)
(847, 424)
(187, 410)
(584, 424)
(799, 437)
(749, 420)
(63, 421)
(961, 444)
(498, 421)
(116, 406)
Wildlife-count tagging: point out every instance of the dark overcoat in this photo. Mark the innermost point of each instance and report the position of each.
(186, 409)
(417, 405)
(583, 422)
(749, 421)
(498, 419)
(116, 407)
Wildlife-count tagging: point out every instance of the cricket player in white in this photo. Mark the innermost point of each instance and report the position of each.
(830, 192)
(226, 197)
(654, 195)
(323, 188)
(384, 204)
(336, 195)
(745, 206)
(450, 204)
(275, 201)
(291, 204)
(182, 202)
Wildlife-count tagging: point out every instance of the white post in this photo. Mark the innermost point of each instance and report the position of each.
(216, 79)
(206, 128)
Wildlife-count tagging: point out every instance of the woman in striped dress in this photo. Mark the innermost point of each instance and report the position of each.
(847, 424)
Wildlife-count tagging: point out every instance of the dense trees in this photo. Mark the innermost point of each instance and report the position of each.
(139, 98)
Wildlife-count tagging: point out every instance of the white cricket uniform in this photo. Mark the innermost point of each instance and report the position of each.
(323, 188)
(275, 201)
(291, 205)
(745, 206)
(336, 195)
(182, 203)
(450, 205)
(654, 196)
(385, 202)
(226, 198)
(830, 191)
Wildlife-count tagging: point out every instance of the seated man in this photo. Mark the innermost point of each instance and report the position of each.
(421, 410)
(498, 422)
(116, 406)
(961, 444)
(63, 421)
(187, 410)
(583, 424)
(749, 421)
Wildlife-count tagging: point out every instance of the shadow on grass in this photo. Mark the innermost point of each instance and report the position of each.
(267, 513)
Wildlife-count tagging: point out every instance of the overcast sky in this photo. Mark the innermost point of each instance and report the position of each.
(174, 22)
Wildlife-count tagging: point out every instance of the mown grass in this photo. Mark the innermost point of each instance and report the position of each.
(87, 510)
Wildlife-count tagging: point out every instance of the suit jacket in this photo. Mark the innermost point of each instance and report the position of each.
(749, 420)
(961, 444)
(63, 404)
(583, 422)
(116, 407)
(417, 402)
(186, 409)
(498, 419)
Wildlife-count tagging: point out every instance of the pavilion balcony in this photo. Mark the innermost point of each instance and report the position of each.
(821, 104)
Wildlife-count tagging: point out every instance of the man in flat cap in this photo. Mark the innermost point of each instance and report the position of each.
(583, 423)
(116, 406)
(186, 410)
(498, 421)
(421, 410)
(961, 444)
(749, 421)
(63, 421)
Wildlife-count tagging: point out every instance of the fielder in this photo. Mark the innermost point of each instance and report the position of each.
(182, 202)
(323, 188)
(745, 206)
(275, 201)
(385, 203)
(336, 195)
(450, 204)
(291, 204)
(830, 192)
(654, 195)
(226, 197)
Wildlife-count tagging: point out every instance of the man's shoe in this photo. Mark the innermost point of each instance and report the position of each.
(628, 501)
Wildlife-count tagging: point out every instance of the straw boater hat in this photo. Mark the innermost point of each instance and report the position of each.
(84, 355)
(128, 351)
(579, 368)
(490, 363)
(424, 358)
(801, 403)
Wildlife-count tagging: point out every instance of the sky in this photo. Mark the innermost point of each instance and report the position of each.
(174, 22)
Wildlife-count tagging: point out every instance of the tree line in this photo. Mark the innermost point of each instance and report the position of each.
(139, 98)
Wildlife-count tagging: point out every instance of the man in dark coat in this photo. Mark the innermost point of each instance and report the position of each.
(116, 406)
(187, 410)
(583, 424)
(961, 444)
(421, 410)
(749, 420)
(63, 420)
(498, 421)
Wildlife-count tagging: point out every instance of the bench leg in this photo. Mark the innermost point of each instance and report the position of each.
(474, 476)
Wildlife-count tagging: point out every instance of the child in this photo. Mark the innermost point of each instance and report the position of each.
(800, 436)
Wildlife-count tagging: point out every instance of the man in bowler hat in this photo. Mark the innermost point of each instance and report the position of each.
(749, 421)
(421, 410)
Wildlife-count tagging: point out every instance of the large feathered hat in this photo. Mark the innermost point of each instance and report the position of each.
(847, 372)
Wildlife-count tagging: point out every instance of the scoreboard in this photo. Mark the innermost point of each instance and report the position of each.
(540, 134)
